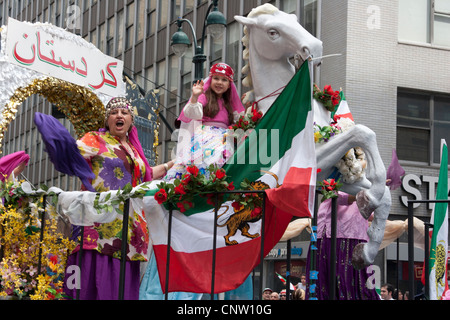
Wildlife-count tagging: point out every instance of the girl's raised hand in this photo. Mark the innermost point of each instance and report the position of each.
(197, 89)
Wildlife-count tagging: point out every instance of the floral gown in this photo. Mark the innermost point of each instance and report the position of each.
(114, 167)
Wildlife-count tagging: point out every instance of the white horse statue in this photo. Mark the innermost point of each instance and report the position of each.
(271, 38)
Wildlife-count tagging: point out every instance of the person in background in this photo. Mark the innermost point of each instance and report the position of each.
(352, 230)
(266, 293)
(12, 165)
(386, 291)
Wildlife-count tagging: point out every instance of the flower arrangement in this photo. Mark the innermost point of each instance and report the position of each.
(180, 194)
(330, 188)
(328, 97)
(251, 201)
(20, 239)
(249, 120)
(323, 134)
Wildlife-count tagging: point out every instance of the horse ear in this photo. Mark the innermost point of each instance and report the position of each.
(245, 21)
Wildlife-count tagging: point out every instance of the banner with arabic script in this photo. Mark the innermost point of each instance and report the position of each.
(38, 48)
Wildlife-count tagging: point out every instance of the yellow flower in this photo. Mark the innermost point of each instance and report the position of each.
(317, 136)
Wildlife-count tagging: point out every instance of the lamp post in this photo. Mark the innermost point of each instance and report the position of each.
(215, 22)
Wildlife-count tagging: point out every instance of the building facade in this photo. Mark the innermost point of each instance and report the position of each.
(393, 67)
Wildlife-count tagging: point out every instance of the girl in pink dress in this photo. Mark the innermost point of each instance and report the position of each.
(212, 108)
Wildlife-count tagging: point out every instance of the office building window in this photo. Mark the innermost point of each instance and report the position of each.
(129, 27)
(233, 42)
(151, 17)
(174, 72)
(424, 21)
(140, 22)
(110, 36)
(423, 120)
(163, 13)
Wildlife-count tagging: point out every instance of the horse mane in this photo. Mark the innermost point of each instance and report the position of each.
(247, 81)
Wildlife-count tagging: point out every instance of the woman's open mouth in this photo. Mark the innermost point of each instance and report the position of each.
(120, 124)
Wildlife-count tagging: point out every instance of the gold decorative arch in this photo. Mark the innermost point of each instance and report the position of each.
(80, 105)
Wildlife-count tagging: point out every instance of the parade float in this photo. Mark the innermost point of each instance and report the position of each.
(288, 109)
(77, 78)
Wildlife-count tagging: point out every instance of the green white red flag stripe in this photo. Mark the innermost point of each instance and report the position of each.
(439, 239)
(343, 110)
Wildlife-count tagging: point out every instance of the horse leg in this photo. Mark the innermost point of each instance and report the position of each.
(364, 253)
(359, 136)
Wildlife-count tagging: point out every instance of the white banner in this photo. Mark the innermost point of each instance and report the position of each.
(32, 47)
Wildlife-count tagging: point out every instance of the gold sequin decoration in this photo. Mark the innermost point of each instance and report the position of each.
(80, 105)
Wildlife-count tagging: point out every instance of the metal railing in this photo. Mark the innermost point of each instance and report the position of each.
(427, 226)
(124, 244)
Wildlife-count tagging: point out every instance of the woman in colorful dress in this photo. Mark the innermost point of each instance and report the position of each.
(116, 159)
(213, 107)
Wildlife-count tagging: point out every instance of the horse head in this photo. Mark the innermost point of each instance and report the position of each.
(271, 38)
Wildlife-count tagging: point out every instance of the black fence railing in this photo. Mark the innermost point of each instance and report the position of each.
(313, 253)
(411, 286)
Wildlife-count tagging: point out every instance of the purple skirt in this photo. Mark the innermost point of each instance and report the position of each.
(100, 277)
(350, 283)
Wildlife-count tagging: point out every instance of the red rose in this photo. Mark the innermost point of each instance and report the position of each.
(328, 90)
(220, 174)
(231, 186)
(180, 189)
(161, 196)
(193, 170)
(256, 212)
(329, 185)
(186, 179)
(211, 200)
(236, 205)
(181, 207)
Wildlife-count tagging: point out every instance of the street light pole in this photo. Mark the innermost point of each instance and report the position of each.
(214, 21)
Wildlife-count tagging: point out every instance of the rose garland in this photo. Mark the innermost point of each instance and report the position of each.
(180, 194)
(248, 120)
(330, 188)
(328, 97)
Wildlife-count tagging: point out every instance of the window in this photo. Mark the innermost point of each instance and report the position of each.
(424, 21)
(140, 23)
(175, 10)
(129, 28)
(120, 18)
(233, 42)
(174, 72)
(423, 120)
(151, 17)
(110, 36)
(163, 13)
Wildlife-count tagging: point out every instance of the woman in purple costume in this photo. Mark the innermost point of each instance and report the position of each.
(351, 284)
(116, 158)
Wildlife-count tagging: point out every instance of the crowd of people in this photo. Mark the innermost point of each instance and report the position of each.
(387, 292)
(298, 292)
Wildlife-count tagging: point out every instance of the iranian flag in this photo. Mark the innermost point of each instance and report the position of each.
(291, 286)
(285, 131)
(439, 239)
(343, 110)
